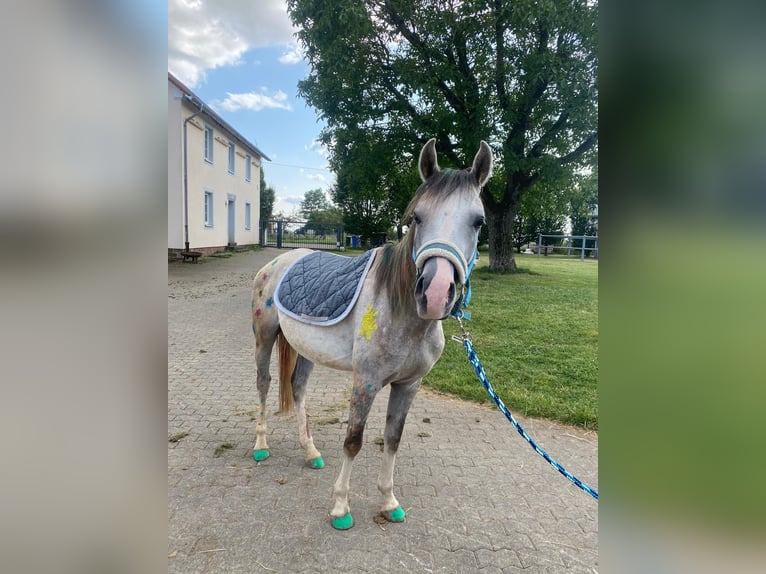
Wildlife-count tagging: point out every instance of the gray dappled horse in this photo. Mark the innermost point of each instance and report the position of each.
(392, 335)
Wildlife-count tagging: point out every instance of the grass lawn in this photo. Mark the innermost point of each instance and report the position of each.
(536, 333)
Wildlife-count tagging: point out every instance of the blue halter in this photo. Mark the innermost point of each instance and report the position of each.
(465, 297)
(464, 269)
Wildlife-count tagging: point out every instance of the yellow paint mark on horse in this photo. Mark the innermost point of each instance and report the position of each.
(368, 323)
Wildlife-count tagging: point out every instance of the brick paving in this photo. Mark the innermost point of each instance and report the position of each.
(478, 498)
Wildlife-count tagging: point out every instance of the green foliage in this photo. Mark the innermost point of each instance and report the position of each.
(326, 221)
(374, 181)
(536, 334)
(387, 75)
(267, 198)
(541, 211)
(582, 203)
(313, 201)
(329, 215)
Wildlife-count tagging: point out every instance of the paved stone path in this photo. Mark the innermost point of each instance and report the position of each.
(477, 497)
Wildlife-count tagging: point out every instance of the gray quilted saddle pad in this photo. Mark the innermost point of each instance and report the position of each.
(321, 288)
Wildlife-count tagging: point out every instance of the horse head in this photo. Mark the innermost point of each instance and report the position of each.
(446, 214)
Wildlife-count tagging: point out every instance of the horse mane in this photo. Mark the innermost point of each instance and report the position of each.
(395, 272)
(395, 269)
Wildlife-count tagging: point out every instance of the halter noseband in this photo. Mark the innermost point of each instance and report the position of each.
(449, 251)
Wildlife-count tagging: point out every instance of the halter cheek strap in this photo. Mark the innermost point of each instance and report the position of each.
(467, 297)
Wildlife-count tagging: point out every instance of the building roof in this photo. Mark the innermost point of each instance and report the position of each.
(206, 110)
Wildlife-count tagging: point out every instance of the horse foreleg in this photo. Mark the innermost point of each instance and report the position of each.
(361, 402)
(303, 368)
(399, 402)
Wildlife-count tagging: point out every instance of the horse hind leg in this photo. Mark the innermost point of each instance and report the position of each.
(265, 327)
(303, 368)
(399, 402)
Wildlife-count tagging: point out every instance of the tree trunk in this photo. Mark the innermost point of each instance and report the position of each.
(500, 227)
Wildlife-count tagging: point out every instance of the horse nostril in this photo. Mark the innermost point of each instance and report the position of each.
(451, 294)
(419, 286)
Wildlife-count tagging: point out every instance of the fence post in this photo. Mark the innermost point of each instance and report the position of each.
(279, 234)
(339, 237)
(539, 240)
(582, 253)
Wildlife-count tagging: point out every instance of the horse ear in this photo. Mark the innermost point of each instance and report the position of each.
(427, 164)
(482, 164)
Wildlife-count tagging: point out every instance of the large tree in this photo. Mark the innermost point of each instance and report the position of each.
(322, 216)
(374, 182)
(267, 199)
(520, 75)
(313, 202)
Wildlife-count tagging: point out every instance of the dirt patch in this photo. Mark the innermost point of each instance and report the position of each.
(326, 421)
(222, 448)
(178, 436)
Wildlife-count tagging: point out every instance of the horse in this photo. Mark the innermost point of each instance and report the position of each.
(393, 334)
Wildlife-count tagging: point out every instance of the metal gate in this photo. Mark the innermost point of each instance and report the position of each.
(291, 234)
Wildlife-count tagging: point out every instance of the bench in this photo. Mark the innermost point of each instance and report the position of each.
(191, 255)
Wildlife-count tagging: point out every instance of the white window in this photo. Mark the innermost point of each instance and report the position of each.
(209, 140)
(208, 209)
(247, 167)
(231, 158)
(247, 215)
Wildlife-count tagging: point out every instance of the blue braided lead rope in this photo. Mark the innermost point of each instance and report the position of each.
(488, 387)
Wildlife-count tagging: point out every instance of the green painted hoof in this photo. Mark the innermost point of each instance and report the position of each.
(395, 515)
(343, 522)
(260, 455)
(318, 462)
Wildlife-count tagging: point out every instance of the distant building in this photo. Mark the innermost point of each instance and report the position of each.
(214, 193)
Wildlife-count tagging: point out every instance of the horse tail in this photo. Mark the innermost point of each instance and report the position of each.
(287, 360)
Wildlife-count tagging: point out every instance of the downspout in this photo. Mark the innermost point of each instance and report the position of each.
(186, 178)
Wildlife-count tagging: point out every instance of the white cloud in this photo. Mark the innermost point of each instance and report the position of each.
(316, 177)
(318, 147)
(207, 35)
(292, 56)
(252, 101)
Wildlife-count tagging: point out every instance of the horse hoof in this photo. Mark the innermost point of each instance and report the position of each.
(343, 522)
(395, 515)
(260, 455)
(318, 462)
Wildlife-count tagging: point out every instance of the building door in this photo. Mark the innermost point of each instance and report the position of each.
(232, 218)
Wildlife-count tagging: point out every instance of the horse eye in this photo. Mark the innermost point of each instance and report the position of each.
(416, 219)
(479, 222)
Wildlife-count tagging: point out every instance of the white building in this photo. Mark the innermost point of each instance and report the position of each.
(213, 177)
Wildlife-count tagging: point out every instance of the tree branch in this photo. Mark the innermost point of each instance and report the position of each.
(464, 68)
(416, 41)
(537, 149)
(580, 150)
(533, 91)
(500, 76)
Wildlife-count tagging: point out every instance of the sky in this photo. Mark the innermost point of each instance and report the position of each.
(243, 60)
